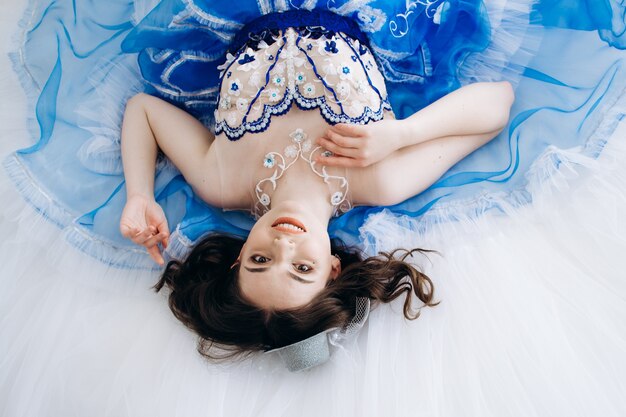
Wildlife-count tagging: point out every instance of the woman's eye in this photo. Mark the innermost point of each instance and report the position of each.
(303, 268)
(259, 259)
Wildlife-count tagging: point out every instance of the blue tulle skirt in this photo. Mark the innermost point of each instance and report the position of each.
(79, 62)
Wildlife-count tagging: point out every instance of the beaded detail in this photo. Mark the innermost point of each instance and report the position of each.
(299, 149)
(311, 67)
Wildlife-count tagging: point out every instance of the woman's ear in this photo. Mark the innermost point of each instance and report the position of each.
(335, 267)
(237, 261)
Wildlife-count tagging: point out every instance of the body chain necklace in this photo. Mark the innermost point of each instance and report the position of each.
(294, 152)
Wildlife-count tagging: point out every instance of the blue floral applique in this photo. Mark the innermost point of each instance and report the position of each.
(270, 58)
(228, 74)
(309, 47)
(235, 87)
(331, 46)
(354, 58)
(246, 59)
(362, 50)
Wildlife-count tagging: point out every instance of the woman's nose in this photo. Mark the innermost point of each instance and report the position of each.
(283, 241)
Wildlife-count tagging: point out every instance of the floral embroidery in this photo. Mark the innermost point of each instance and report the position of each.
(354, 58)
(344, 72)
(309, 47)
(270, 57)
(228, 74)
(295, 152)
(300, 78)
(229, 59)
(309, 89)
(291, 151)
(298, 135)
(278, 80)
(361, 87)
(225, 103)
(235, 87)
(273, 94)
(248, 61)
(343, 89)
(331, 46)
(269, 161)
(336, 198)
(246, 58)
(242, 104)
(265, 199)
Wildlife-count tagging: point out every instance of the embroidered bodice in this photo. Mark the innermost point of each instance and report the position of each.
(311, 67)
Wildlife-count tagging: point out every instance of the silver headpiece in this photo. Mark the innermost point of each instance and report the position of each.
(317, 349)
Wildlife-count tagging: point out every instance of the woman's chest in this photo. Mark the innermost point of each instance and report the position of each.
(253, 167)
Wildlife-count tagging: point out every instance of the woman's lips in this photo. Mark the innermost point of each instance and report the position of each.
(283, 224)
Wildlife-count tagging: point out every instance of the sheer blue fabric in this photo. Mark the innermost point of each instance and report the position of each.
(80, 61)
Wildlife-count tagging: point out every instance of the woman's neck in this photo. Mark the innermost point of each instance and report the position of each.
(306, 189)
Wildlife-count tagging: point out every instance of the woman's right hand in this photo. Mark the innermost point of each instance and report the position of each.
(143, 221)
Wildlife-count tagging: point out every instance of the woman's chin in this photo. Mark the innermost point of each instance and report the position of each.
(291, 206)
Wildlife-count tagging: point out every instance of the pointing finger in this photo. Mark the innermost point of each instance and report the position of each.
(155, 254)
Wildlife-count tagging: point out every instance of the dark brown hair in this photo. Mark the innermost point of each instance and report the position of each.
(205, 296)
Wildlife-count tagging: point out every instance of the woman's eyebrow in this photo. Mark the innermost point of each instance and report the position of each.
(291, 274)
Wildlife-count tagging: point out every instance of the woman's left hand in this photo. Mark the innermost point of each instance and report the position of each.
(360, 145)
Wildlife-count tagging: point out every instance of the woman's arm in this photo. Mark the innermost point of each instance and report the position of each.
(151, 124)
(411, 170)
(414, 167)
(475, 109)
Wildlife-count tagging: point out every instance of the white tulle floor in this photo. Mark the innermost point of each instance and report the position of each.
(532, 320)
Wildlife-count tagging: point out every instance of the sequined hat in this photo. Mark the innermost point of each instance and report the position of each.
(318, 348)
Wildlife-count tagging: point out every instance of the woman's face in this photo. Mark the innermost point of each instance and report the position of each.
(286, 260)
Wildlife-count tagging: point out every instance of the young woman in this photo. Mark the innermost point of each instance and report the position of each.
(295, 172)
